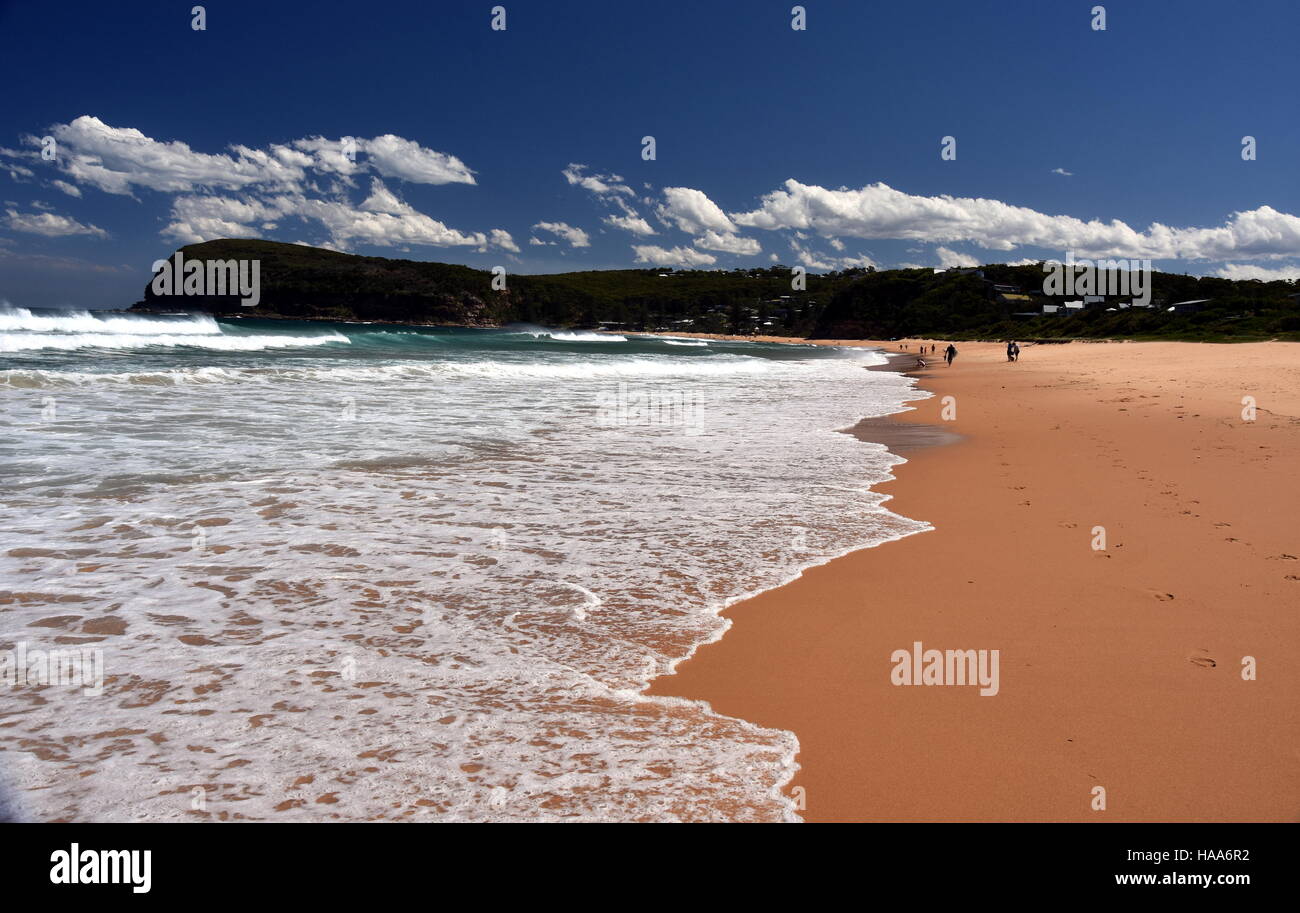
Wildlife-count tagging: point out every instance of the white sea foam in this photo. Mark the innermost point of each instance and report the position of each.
(579, 336)
(430, 585)
(82, 322)
(648, 367)
(122, 340)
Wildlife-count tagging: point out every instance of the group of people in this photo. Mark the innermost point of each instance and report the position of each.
(1013, 352)
(948, 354)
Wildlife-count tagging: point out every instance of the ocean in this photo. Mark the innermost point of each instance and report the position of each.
(353, 571)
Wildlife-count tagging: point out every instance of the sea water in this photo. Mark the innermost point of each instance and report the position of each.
(375, 571)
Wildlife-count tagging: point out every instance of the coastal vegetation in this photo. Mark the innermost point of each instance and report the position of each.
(995, 301)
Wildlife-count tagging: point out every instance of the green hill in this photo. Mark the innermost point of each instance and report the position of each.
(996, 301)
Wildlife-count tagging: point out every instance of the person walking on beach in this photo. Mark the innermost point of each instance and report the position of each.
(1015, 351)
(949, 354)
(1011, 350)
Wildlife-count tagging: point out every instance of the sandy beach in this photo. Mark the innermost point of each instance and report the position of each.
(1120, 667)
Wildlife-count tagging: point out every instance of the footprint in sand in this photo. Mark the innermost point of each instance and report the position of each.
(1203, 661)
(1163, 597)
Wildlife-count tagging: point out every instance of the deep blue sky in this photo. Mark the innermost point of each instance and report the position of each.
(1147, 116)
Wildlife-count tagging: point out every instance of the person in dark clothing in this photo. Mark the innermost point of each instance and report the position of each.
(949, 354)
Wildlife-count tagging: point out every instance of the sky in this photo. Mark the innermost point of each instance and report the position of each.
(525, 147)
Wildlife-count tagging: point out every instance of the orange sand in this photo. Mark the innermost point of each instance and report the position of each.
(1119, 668)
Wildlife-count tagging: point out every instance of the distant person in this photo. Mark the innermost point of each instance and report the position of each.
(1015, 351)
(950, 353)
(1011, 351)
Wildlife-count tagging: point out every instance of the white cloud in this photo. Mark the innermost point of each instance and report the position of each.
(575, 236)
(599, 184)
(610, 189)
(382, 199)
(813, 260)
(49, 224)
(270, 184)
(396, 225)
(692, 211)
(1250, 271)
(1062, 171)
(382, 220)
(634, 224)
(395, 157)
(115, 159)
(204, 218)
(950, 258)
(677, 256)
(330, 156)
(119, 159)
(879, 211)
(499, 237)
(728, 244)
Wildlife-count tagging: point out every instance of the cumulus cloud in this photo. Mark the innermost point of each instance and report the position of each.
(499, 237)
(116, 159)
(381, 220)
(575, 236)
(384, 221)
(880, 211)
(677, 256)
(395, 157)
(728, 243)
(692, 211)
(49, 224)
(261, 186)
(951, 258)
(203, 218)
(1252, 271)
(119, 159)
(635, 224)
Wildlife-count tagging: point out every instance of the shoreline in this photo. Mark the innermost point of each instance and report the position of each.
(1120, 667)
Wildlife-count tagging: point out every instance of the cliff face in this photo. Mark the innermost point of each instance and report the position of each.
(299, 281)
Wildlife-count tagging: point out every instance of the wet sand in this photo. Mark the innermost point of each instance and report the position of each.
(1120, 668)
